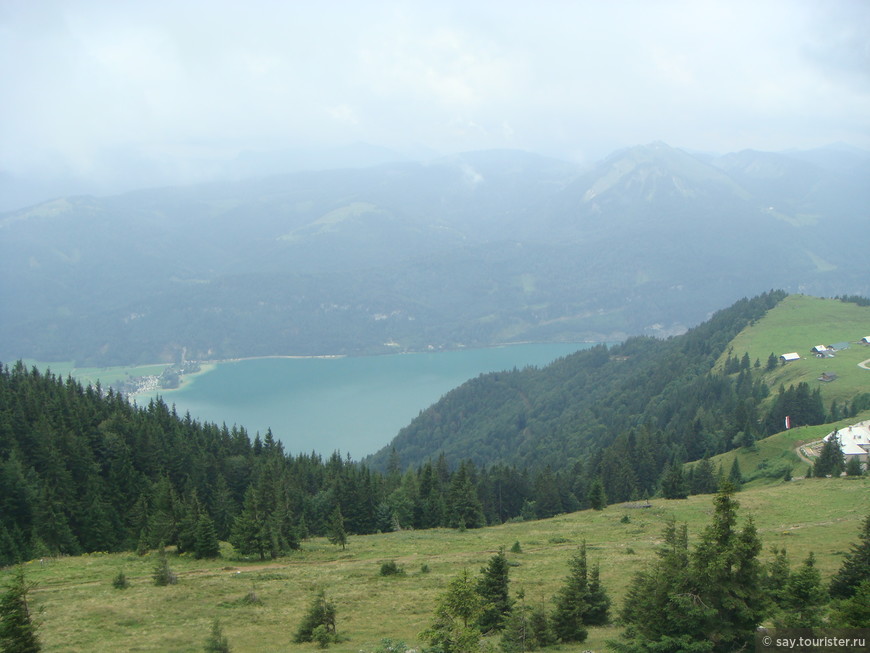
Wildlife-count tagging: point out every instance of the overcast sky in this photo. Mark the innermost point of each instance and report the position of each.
(101, 88)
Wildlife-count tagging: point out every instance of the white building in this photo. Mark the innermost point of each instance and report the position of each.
(793, 356)
(854, 440)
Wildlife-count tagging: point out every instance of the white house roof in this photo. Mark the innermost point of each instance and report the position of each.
(854, 440)
(793, 356)
(820, 348)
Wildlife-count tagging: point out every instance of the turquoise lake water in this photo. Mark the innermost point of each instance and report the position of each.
(355, 405)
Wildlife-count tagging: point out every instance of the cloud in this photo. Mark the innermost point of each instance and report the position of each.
(85, 82)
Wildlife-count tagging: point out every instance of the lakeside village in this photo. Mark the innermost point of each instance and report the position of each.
(169, 379)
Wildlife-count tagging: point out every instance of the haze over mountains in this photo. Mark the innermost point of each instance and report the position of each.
(469, 250)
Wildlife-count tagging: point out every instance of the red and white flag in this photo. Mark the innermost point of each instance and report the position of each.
(787, 422)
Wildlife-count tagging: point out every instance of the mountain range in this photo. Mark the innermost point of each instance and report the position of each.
(469, 250)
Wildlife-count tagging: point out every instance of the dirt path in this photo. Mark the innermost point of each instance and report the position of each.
(800, 454)
(864, 364)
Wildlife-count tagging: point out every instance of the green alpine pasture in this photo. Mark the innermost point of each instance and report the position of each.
(799, 323)
(767, 460)
(80, 611)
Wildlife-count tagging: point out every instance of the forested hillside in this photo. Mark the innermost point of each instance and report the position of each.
(83, 469)
(621, 414)
(478, 249)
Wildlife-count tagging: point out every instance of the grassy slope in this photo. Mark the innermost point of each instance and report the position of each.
(82, 612)
(778, 449)
(800, 322)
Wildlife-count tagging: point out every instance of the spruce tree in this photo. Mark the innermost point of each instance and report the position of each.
(735, 476)
(673, 483)
(250, 533)
(542, 627)
(597, 496)
(163, 574)
(517, 635)
(456, 617)
(776, 576)
(598, 612)
(725, 566)
(830, 461)
(703, 480)
(336, 533)
(572, 601)
(463, 505)
(205, 544)
(217, 642)
(492, 586)
(321, 613)
(855, 569)
(853, 466)
(708, 600)
(803, 597)
(853, 612)
(17, 630)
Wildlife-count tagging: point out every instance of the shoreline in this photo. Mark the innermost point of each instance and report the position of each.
(209, 365)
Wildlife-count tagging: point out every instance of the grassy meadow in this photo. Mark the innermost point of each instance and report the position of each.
(800, 322)
(79, 610)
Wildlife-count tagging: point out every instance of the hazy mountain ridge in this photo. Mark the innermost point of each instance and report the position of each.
(468, 250)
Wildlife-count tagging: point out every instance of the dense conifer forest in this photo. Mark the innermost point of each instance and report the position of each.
(83, 469)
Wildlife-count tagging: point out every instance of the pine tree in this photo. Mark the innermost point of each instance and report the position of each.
(735, 476)
(674, 484)
(542, 627)
(597, 497)
(251, 534)
(853, 612)
(492, 586)
(336, 533)
(456, 616)
(321, 613)
(855, 569)
(206, 544)
(703, 480)
(803, 597)
(830, 461)
(725, 567)
(120, 582)
(572, 600)
(853, 467)
(217, 642)
(776, 576)
(463, 504)
(17, 630)
(662, 610)
(598, 612)
(517, 635)
(709, 600)
(163, 574)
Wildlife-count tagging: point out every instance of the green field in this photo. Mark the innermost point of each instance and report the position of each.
(797, 324)
(81, 611)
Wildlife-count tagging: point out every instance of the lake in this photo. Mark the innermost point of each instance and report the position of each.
(355, 404)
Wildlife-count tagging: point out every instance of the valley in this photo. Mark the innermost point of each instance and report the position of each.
(472, 250)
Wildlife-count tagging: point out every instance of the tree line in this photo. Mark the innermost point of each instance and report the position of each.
(82, 469)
